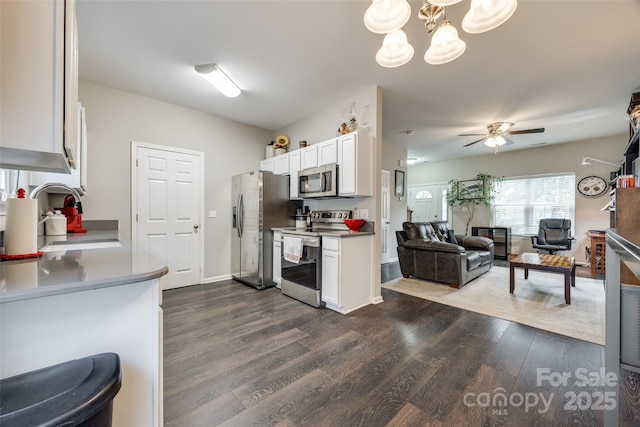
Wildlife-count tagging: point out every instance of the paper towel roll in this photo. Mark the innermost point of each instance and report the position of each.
(21, 234)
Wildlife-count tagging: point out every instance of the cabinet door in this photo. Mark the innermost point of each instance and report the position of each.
(267, 165)
(294, 167)
(309, 157)
(347, 163)
(39, 92)
(281, 164)
(355, 160)
(330, 277)
(328, 152)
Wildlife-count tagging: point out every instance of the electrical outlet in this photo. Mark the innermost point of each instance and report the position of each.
(364, 213)
(213, 214)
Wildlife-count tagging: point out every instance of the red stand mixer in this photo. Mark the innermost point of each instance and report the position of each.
(74, 218)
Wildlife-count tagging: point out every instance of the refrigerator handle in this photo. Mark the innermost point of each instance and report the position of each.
(233, 217)
(240, 215)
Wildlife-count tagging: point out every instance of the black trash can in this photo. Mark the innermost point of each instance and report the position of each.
(75, 393)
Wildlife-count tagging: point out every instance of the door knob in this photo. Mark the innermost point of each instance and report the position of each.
(195, 226)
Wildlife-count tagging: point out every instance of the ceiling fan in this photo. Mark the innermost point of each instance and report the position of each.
(496, 134)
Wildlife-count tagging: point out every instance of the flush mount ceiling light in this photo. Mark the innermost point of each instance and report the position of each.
(386, 16)
(586, 162)
(214, 75)
(411, 160)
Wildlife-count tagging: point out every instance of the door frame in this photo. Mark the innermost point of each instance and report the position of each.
(134, 193)
(385, 228)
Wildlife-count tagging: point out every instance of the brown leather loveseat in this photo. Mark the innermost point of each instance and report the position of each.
(432, 251)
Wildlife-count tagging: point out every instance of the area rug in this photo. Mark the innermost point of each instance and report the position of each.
(537, 301)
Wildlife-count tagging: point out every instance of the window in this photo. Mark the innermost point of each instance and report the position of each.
(424, 194)
(520, 203)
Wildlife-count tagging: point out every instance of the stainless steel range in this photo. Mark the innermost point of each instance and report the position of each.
(302, 256)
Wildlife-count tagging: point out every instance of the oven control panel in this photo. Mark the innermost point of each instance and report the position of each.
(337, 216)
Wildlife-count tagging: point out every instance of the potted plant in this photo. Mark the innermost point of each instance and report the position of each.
(471, 193)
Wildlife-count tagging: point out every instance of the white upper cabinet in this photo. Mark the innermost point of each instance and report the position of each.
(355, 165)
(267, 165)
(39, 81)
(309, 157)
(281, 164)
(328, 152)
(294, 167)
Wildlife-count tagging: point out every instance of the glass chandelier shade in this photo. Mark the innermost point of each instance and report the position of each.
(395, 50)
(383, 16)
(485, 15)
(444, 2)
(445, 45)
(495, 141)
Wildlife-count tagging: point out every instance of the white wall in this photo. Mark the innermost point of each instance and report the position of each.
(539, 160)
(115, 118)
(324, 125)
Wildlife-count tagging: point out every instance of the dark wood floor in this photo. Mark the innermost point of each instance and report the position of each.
(236, 356)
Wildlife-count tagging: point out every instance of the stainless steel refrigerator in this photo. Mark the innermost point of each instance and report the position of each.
(260, 202)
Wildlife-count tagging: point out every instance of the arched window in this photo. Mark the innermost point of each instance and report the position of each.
(424, 194)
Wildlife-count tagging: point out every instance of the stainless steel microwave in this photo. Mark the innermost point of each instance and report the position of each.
(318, 182)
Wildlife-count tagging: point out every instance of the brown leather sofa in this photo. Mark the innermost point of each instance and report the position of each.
(432, 251)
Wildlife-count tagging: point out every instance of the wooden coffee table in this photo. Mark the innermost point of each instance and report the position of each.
(551, 263)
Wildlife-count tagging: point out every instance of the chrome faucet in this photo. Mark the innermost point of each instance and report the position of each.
(59, 186)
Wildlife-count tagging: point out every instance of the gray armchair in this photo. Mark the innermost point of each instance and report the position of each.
(554, 234)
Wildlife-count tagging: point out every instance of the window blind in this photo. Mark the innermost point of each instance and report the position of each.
(520, 203)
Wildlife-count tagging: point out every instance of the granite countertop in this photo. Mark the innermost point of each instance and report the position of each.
(67, 271)
(626, 243)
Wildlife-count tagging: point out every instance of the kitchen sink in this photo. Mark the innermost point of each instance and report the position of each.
(73, 245)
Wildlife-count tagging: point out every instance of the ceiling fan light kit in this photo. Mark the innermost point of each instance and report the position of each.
(218, 79)
(497, 133)
(386, 16)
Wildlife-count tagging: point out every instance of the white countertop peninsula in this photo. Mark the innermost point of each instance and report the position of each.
(70, 304)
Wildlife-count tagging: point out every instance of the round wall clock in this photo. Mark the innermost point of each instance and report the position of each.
(592, 186)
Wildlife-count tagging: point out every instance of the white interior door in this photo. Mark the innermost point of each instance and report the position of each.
(385, 217)
(166, 207)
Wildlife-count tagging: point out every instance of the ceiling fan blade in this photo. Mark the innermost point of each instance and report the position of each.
(518, 132)
(472, 134)
(474, 142)
(502, 127)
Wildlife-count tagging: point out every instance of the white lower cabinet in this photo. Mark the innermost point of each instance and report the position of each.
(277, 258)
(331, 270)
(347, 272)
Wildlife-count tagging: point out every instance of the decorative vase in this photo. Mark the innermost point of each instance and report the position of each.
(268, 152)
(280, 151)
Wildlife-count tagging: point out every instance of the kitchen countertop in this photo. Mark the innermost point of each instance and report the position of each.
(324, 232)
(67, 271)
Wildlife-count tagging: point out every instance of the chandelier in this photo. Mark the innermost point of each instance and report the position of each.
(389, 16)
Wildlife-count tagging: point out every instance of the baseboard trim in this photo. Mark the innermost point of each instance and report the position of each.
(216, 279)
